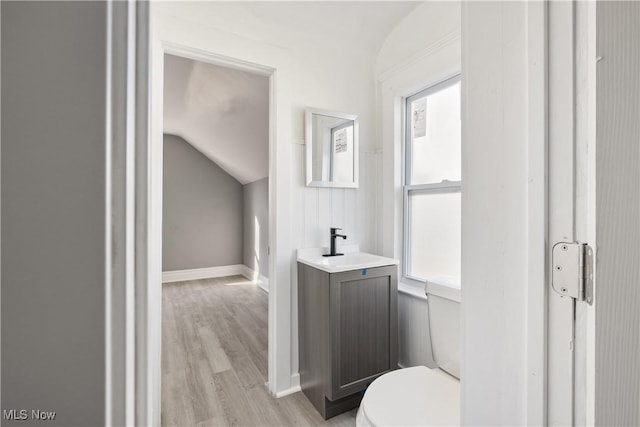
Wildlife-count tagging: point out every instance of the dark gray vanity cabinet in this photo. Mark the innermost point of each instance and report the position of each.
(347, 333)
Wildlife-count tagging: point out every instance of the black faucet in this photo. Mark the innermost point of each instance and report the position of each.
(333, 241)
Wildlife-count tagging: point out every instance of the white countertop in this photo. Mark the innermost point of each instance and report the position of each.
(352, 259)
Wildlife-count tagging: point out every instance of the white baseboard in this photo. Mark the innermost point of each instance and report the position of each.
(202, 273)
(257, 278)
(211, 272)
(295, 387)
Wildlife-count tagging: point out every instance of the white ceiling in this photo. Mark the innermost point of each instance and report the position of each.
(222, 112)
(360, 23)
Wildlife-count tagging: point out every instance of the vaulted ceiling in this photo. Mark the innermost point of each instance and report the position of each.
(364, 24)
(222, 112)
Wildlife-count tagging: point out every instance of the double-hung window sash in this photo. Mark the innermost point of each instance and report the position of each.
(432, 182)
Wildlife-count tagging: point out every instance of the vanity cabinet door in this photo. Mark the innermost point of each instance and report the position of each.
(364, 343)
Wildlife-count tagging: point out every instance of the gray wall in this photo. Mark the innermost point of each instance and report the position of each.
(256, 210)
(202, 210)
(617, 299)
(53, 209)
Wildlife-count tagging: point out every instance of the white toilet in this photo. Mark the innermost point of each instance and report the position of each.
(420, 395)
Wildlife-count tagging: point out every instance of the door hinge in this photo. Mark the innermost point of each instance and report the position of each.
(572, 274)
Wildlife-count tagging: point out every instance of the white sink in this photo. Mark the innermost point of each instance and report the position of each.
(352, 259)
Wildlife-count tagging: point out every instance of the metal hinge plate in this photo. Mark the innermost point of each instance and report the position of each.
(573, 270)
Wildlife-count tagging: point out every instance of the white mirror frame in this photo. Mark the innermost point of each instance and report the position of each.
(309, 112)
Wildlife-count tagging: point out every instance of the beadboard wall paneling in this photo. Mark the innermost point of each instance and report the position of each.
(353, 210)
(413, 332)
(315, 210)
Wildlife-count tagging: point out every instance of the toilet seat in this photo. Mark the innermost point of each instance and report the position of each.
(410, 397)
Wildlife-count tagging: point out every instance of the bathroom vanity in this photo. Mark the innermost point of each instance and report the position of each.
(347, 326)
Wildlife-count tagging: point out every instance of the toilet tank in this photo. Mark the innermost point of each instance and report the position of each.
(443, 299)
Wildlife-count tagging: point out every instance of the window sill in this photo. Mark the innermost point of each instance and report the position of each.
(414, 291)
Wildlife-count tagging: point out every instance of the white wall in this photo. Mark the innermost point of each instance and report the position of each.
(421, 51)
(428, 26)
(53, 210)
(306, 75)
(494, 213)
(414, 336)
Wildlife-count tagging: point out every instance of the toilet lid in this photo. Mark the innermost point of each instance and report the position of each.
(413, 396)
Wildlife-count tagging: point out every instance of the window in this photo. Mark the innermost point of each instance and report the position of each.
(432, 182)
(341, 164)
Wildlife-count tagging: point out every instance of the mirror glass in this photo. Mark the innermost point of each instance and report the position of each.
(332, 147)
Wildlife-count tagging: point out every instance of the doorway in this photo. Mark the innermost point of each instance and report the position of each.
(215, 231)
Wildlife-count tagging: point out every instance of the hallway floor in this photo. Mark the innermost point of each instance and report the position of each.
(214, 359)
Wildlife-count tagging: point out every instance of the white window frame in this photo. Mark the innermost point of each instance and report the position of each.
(442, 187)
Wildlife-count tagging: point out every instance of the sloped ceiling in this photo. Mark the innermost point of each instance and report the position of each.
(222, 112)
(361, 24)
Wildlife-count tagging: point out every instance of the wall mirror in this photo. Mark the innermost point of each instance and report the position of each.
(332, 148)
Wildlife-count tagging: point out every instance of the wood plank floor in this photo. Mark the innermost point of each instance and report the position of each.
(214, 359)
